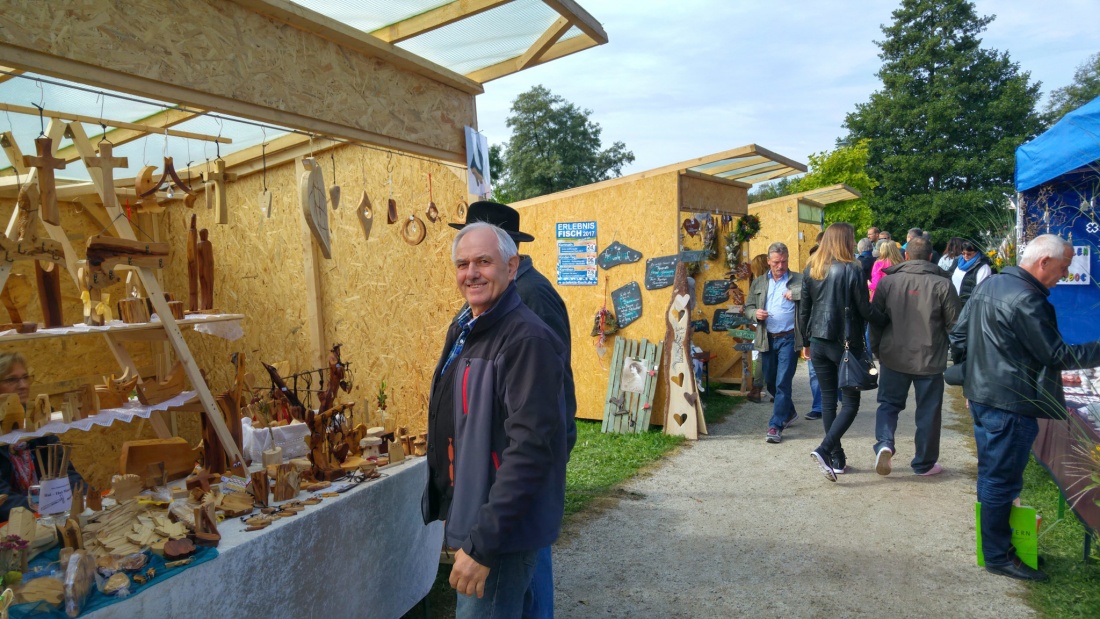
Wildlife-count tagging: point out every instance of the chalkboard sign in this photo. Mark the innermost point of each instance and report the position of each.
(694, 255)
(745, 334)
(659, 272)
(744, 346)
(700, 326)
(616, 254)
(724, 320)
(628, 303)
(716, 291)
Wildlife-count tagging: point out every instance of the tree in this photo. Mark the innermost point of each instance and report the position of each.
(554, 146)
(846, 164)
(1085, 88)
(945, 124)
(770, 191)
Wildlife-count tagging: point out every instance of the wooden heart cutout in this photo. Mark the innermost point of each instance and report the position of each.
(690, 397)
(314, 207)
(680, 418)
(678, 379)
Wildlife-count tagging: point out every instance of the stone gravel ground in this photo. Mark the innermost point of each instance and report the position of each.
(733, 527)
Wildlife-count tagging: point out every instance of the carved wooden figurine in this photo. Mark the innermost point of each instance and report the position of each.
(192, 267)
(204, 255)
(116, 391)
(153, 392)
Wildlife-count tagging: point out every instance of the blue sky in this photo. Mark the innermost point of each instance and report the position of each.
(688, 78)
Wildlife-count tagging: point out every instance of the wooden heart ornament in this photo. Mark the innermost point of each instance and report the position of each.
(692, 226)
(314, 206)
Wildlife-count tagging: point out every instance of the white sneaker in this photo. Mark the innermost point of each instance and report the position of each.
(882, 461)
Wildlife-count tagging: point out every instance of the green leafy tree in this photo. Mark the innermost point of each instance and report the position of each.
(945, 124)
(770, 191)
(846, 164)
(1085, 88)
(554, 146)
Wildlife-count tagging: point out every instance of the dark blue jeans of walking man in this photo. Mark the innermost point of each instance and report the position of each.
(780, 362)
(893, 393)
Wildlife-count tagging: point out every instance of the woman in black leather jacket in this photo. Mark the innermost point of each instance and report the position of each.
(833, 282)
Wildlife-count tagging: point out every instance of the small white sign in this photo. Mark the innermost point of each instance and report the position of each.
(1079, 269)
(56, 497)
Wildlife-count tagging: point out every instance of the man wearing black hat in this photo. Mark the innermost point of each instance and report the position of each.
(538, 294)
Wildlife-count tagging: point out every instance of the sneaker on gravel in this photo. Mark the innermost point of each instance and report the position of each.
(882, 461)
(790, 422)
(825, 467)
(774, 436)
(935, 470)
(813, 415)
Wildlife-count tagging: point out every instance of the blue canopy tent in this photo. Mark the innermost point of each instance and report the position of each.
(1058, 179)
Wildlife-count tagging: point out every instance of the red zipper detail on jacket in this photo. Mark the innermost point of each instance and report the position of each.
(496, 460)
(465, 379)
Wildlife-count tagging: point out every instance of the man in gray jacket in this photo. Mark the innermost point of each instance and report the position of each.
(773, 303)
(912, 348)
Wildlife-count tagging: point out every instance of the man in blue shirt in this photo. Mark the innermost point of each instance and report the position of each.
(773, 301)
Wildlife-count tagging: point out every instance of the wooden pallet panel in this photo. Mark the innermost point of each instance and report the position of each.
(638, 406)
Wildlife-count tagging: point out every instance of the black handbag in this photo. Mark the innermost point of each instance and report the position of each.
(856, 371)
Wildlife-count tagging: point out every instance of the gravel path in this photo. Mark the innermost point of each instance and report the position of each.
(734, 527)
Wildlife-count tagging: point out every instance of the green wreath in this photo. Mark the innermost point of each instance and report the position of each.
(747, 228)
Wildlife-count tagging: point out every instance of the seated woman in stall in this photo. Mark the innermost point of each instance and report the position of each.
(18, 466)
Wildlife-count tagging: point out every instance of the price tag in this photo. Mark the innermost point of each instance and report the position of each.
(56, 497)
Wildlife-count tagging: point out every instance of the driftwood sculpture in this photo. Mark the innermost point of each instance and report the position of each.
(683, 414)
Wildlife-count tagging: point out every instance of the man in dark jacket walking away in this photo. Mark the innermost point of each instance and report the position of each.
(912, 349)
(1014, 356)
(497, 445)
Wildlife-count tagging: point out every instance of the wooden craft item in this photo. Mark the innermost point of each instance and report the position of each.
(25, 244)
(79, 581)
(396, 452)
(10, 304)
(193, 266)
(174, 453)
(106, 252)
(125, 487)
(38, 414)
(154, 392)
(48, 278)
(213, 452)
(93, 500)
(413, 230)
(229, 405)
(133, 311)
(432, 213)
(391, 211)
(20, 327)
(365, 215)
(14, 415)
(273, 456)
(70, 534)
(48, 590)
(156, 476)
(236, 504)
(286, 482)
(89, 401)
(176, 307)
(46, 163)
(79, 490)
(107, 163)
(22, 523)
(204, 253)
(117, 583)
(260, 488)
(420, 445)
(218, 178)
(311, 188)
(683, 411)
(115, 392)
(334, 196)
(178, 549)
(201, 480)
(145, 186)
(169, 174)
(70, 407)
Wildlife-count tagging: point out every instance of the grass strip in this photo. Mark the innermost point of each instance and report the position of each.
(1074, 587)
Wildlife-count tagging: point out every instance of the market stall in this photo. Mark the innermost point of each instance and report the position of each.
(795, 221)
(617, 244)
(221, 294)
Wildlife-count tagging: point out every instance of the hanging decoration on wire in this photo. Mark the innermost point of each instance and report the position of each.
(311, 188)
(433, 212)
(391, 205)
(218, 178)
(45, 163)
(363, 211)
(150, 188)
(265, 194)
(413, 230)
(334, 190)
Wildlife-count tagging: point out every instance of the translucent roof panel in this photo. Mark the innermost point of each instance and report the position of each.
(370, 15)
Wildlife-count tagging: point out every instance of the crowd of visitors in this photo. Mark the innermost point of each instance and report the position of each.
(914, 308)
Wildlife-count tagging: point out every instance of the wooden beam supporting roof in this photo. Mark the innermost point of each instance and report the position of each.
(9, 73)
(548, 39)
(508, 67)
(434, 19)
(579, 17)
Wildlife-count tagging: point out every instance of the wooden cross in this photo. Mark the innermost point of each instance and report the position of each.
(218, 178)
(106, 163)
(46, 163)
(202, 480)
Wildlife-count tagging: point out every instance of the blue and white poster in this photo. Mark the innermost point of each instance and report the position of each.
(577, 253)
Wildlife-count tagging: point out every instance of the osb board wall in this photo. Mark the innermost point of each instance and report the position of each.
(702, 196)
(726, 363)
(779, 222)
(640, 214)
(809, 238)
(224, 49)
(387, 302)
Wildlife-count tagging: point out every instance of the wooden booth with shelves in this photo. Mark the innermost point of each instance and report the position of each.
(646, 220)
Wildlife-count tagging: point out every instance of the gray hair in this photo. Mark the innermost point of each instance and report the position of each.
(1044, 246)
(778, 248)
(505, 245)
(863, 245)
(915, 232)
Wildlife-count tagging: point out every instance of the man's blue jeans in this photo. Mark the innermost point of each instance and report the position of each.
(893, 394)
(1004, 443)
(504, 589)
(780, 362)
(815, 389)
(539, 601)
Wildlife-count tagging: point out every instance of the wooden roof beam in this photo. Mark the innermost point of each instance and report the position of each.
(434, 19)
(753, 170)
(760, 178)
(741, 162)
(548, 39)
(580, 18)
(119, 136)
(9, 73)
(508, 67)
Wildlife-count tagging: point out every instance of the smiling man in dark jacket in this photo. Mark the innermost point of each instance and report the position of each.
(922, 306)
(496, 431)
(1014, 356)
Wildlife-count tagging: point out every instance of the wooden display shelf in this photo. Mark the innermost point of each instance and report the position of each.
(121, 332)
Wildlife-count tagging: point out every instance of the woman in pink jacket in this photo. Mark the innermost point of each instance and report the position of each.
(888, 256)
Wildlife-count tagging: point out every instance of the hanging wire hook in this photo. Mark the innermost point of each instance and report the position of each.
(263, 157)
(332, 154)
(41, 121)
